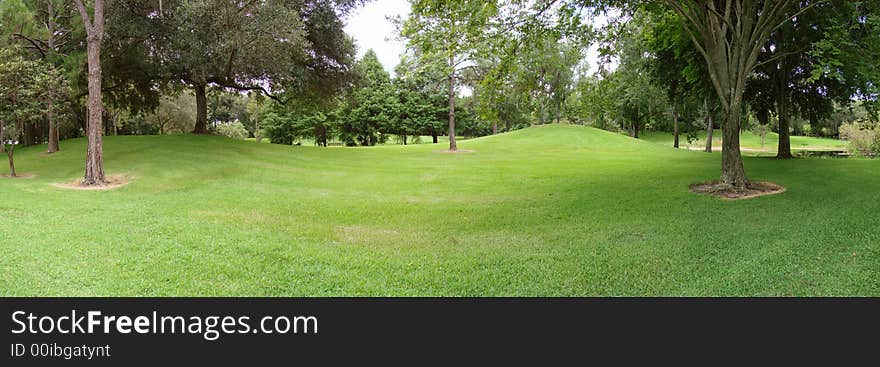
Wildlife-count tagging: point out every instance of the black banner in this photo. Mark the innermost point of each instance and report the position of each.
(329, 331)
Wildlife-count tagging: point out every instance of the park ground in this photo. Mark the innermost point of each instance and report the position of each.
(751, 144)
(545, 211)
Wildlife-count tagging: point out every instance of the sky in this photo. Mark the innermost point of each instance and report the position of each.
(372, 30)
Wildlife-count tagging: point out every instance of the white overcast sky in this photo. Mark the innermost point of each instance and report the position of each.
(372, 30)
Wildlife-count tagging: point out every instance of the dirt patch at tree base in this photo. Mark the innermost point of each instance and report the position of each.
(19, 175)
(113, 182)
(728, 192)
(459, 151)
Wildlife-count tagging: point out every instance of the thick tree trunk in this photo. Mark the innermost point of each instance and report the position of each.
(675, 126)
(452, 145)
(94, 174)
(9, 153)
(201, 109)
(732, 170)
(434, 137)
(783, 150)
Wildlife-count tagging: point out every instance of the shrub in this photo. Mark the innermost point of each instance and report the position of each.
(233, 130)
(863, 137)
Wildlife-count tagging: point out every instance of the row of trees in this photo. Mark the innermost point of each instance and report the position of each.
(412, 104)
(719, 63)
(147, 49)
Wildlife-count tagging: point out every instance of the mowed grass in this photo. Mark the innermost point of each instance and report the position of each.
(749, 141)
(545, 211)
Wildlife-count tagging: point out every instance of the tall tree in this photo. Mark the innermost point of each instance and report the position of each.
(295, 47)
(795, 75)
(451, 31)
(94, 25)
(373, 106)
(730, 35)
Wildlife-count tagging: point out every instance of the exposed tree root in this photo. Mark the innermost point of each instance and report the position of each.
(730, 192)
(113, 182)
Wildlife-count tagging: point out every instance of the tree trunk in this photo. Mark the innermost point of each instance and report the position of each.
(452, 146)
(257, 136)
(710, 128)
(53, 126)
(675, 125)
(783, 150)
(404, 139)
(635, 123)
(9, 152)
(732, 170)
(495, 128)
(201, 109)
(434, 137)
(94, 174)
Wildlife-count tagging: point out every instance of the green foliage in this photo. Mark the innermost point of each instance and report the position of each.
(373, 106)
(234, 130)
(229, 107)
(24, 88)
(863, 138)
(175, 114)
(297, 47)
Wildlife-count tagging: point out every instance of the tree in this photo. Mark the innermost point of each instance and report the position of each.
(24, 85)
(94, 25)
(175, 114)
(814, 61)
(636, 93)
(373, 106)
(424, 103)
(451, 31)
(730, 34)
(676, 65)
(293, 47)
(47, 42)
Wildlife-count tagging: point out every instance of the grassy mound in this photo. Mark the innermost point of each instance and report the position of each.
(554, 210)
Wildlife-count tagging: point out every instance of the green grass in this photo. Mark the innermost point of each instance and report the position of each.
(750, 142)
(546, 211)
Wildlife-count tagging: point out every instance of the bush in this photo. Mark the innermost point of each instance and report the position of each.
(233, 130)
(863, 137)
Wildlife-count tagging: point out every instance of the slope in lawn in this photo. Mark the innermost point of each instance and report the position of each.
(554, 210)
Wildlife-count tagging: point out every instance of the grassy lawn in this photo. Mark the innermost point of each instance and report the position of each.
(546, 211)
(750, 142)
